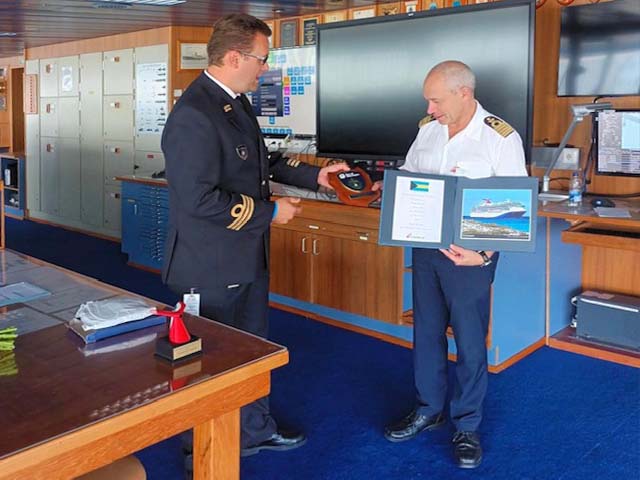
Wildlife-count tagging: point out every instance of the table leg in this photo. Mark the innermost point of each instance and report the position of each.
(216, 448)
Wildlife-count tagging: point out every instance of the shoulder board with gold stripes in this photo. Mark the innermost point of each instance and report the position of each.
(425, 120)
(499, 125)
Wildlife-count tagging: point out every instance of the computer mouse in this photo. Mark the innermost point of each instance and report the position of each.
(602, 202)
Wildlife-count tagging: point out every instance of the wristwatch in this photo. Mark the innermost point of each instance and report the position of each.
(486, 260)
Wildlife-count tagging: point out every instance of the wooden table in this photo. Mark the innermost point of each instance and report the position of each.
(72, 408)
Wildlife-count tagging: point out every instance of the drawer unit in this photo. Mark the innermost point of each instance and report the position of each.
(145, 218)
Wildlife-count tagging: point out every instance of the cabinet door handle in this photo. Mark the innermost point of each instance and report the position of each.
(314, 247)
(303, 245)
(135, 209)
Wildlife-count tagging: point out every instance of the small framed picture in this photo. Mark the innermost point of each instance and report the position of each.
(363, 12)
(192, 56)
(335, 16)
(411, 6)
(288, 33)
(3, 72)
(386, 9)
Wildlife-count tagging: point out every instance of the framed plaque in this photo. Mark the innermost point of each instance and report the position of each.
(335, 16)
(432, 4)
(193, 56)
(288, 33)
(363, 12)
(388, 9)
(310, 30)
(411, 6)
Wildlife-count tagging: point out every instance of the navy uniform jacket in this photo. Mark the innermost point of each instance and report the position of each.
(218, 170)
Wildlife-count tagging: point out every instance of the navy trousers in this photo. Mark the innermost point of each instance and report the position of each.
(445, 294)
(245, 307)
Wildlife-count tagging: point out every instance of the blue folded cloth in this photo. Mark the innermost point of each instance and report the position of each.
(91, 336)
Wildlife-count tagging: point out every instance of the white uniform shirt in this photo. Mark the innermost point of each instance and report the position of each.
(478, 151)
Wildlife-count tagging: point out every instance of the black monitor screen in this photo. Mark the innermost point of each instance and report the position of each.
(619, 142)
(600, 49)
(370, 74)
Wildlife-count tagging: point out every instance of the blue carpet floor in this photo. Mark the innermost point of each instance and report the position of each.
(553, 415)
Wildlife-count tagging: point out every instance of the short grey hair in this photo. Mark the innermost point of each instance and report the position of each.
(455, 73)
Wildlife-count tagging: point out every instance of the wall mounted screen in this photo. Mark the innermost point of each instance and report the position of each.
(600, 49)
(370, 73)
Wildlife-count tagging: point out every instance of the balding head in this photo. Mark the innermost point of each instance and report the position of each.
(455, 75)
(449, 90)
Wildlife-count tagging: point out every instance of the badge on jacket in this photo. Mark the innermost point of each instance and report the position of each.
(242, 151)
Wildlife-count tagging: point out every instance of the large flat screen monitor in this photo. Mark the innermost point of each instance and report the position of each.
(600, 49)
(370, 73)
(618, 142)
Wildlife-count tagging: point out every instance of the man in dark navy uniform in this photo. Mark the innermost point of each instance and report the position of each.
(218, 171)
(452, 286)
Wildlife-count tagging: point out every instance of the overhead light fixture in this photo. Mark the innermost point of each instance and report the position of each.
(130, 3)
(8, 34)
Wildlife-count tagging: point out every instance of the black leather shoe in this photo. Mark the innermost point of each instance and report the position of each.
(279, 441)
(467, 450)
(412, 425)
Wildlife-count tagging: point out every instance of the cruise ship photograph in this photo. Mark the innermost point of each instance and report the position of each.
(496, 214)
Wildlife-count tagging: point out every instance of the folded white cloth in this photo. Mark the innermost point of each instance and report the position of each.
(112, 311)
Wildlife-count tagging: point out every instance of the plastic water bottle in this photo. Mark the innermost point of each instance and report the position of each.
(575, 189)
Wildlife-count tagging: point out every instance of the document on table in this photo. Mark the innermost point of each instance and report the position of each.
(20, 292)
(613, 212)
(27, 320)
(418, 209)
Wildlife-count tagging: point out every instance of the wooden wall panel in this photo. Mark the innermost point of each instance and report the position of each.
(16, 110)
(551, 114)
(611, 270)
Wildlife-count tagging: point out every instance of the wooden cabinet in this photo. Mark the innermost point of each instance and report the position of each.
(329, 256)
(608, 251)
(291, 264)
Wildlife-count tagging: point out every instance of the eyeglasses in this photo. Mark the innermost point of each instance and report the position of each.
(262, 60)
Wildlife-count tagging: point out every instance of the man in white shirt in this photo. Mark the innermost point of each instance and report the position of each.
(452, 286)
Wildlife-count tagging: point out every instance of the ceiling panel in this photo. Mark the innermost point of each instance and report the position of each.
(44, 22)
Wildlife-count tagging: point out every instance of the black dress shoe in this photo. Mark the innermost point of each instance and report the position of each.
(279, 441)
(467, 450)
(412, 425)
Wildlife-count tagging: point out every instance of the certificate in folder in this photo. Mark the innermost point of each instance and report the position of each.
(434, 211)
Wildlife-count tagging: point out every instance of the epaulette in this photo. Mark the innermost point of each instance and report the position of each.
(425, 120)
(499, 125)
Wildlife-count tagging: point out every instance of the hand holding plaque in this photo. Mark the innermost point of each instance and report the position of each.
(353, 187)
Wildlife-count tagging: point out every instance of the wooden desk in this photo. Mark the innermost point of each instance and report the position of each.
(72, 408)
(609, 262)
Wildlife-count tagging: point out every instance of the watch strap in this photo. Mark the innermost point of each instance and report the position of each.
(486, 260)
